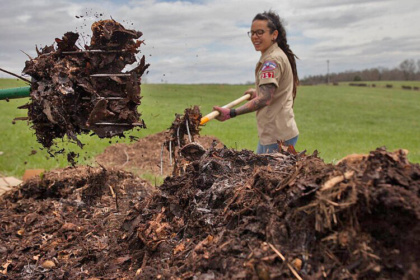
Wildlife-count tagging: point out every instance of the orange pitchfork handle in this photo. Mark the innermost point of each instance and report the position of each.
(214, 114)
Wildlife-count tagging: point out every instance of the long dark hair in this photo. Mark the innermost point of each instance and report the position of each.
(274, 23)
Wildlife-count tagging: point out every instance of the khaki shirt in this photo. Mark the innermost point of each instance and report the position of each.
(277, 120)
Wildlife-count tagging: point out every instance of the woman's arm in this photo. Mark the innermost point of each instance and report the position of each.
(267, 92)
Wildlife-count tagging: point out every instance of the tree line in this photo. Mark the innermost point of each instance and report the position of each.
(408, 70)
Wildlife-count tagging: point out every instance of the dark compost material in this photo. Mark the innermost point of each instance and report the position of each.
(229, 215)
(67, 222)
(75, 91)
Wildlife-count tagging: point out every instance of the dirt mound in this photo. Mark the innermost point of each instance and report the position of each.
(147, 155)
(75, 91)
(238, 215)
(229, 215)
(66, 224)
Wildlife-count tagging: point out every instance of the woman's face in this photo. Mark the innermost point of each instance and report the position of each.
(260, 35)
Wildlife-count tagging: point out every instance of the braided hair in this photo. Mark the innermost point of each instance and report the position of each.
(274, 23)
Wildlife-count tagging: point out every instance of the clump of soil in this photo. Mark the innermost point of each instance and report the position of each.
(184, 127)
(181, 132)
(75, 90)
(228, 215)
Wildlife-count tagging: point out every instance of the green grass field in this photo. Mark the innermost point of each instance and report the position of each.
(335, 120)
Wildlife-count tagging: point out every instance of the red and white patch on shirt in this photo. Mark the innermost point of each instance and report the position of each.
(267, 75)
(268, 66)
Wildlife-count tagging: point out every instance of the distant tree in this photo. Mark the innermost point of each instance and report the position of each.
(407, 70)
(417, 76)
(357, 78)
(408, 67)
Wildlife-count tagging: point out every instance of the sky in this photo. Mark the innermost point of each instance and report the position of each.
(205, 41)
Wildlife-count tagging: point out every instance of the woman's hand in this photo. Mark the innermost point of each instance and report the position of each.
(224, 113)
(252, 92)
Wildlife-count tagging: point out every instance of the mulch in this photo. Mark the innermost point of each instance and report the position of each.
(223, 215)
(79, 90)
(63, 224)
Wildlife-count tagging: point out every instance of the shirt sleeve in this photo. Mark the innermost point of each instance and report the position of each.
(269, 73)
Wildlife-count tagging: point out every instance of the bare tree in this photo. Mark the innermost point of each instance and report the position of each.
(408, 67)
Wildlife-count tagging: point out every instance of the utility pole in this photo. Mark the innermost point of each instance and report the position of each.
(328, 72)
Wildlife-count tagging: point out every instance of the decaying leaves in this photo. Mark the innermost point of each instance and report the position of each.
(76, 91)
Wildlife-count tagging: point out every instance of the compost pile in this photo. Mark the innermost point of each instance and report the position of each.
(237, 215)
(66, 224)
(76, 91)
(229, 215)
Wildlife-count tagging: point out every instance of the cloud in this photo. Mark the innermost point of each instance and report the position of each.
(205, 41)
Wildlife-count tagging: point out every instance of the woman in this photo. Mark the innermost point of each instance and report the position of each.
(276, 81)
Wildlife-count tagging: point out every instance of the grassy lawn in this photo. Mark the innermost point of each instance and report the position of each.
(342, 120)
(335, 120)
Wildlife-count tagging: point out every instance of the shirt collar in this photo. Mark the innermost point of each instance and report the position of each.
(268, 52)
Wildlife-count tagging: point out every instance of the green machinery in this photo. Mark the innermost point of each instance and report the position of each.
(12, 93)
